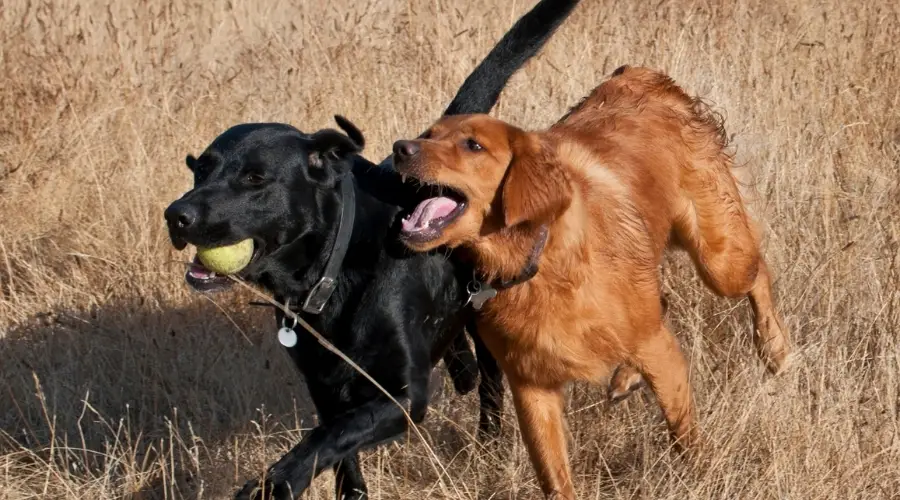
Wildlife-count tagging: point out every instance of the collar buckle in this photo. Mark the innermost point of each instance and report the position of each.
(319, 294)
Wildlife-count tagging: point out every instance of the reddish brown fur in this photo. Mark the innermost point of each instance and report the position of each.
(634, 166)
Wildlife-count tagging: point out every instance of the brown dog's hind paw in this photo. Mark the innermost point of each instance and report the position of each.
(624, 381)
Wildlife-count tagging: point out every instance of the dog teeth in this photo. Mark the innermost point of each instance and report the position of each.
(212, 274)
(403, 178)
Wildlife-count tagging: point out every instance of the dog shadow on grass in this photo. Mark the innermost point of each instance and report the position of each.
(157, 402)
(147, 396)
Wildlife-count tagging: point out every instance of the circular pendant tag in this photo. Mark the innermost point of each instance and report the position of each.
(287, 337)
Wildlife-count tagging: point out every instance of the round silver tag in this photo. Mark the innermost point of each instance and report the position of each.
(287, 337)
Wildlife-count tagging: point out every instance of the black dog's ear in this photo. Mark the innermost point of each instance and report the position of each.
(191, 162)
(330, 145)
(351, 130)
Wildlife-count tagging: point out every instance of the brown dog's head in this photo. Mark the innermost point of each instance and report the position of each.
(479, 175)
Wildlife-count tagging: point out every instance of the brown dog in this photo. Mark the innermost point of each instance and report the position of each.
(570, 224)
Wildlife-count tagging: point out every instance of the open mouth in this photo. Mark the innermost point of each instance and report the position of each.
(203, 280)
(441, 206)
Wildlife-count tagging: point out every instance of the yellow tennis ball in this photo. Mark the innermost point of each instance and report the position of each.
(228, 259)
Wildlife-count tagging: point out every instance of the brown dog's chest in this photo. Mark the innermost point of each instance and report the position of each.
(563, 339)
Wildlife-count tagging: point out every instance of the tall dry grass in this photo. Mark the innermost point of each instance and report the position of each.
(115, 382)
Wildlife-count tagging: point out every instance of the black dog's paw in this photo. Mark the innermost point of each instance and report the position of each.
(489, 428)
(353, 495)
(254, 490)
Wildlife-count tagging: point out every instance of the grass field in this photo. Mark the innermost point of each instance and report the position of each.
(116, 382)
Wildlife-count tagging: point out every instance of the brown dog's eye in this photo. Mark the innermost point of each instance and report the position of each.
(254, 179)
(473, 145)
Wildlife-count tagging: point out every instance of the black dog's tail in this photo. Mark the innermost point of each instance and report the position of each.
(481, 90)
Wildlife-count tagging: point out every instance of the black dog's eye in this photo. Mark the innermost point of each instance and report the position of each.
(254, 179)
(473, 145)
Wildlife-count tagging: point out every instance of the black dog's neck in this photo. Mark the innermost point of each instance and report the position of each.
(363, 250)
(318, 296)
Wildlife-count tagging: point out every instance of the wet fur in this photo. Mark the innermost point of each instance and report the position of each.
(638, 166)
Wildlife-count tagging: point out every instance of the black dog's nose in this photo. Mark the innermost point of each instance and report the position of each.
(181, 215)
(405, 149)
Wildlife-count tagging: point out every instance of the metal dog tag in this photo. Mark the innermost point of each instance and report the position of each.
(478, 299)
(287, 337)
(478, 295)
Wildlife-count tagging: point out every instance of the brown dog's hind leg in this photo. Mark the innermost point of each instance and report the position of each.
(772, 340)
(717, 232)
(541, 421)
(713, 226)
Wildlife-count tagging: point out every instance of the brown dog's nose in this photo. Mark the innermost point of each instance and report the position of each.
(405, 149)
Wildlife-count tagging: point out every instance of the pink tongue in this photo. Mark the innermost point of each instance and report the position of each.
(426, 212)
(198, 271)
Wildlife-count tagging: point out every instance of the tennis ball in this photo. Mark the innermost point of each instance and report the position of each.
(228, 259)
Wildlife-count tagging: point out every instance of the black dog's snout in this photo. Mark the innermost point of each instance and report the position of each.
(405, 149)
(181, 215)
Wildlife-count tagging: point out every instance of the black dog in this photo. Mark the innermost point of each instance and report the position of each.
(324, 245)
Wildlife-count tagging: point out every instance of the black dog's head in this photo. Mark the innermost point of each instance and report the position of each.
(268, 182)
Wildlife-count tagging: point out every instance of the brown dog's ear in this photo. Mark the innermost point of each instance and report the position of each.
(537, 188)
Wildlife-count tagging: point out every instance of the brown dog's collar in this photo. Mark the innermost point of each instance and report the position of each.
(531, 265)
(481, 291)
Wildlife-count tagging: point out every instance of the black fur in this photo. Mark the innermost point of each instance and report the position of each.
(394, 313)
(479, 92)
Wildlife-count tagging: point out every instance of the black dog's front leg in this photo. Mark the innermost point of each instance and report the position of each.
(329, 444)
(490, 389)
(461, 364)
(348, 479)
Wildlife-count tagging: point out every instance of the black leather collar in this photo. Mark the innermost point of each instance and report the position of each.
(531, 265)
(481, 292)
(318, 296)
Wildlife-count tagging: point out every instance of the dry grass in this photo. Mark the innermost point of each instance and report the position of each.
(115, 382)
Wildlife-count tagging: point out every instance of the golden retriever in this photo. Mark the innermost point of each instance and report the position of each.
(569, 226)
